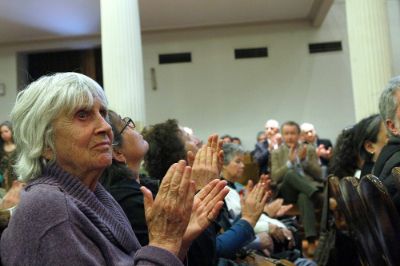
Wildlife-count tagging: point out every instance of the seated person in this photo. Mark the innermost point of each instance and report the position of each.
(358, 147)
(322, 146)
(297, 175)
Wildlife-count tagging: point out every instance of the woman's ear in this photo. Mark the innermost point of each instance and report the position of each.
(119, 156)
(369, 147)
(48, 154)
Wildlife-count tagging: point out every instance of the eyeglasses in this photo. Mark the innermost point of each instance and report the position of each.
(128, 123)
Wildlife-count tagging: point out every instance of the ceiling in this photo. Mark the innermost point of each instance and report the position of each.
(27, 20)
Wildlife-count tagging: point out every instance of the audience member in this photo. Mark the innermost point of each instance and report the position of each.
(8, 155)
(122, 178)
(265, 143)
(266, 228)
(261, 136)
(247, 209)
(296, 173)
(390, 155)
(322, 146)
(165, 141)
(236, 140)
(226, 138)
(271, 133)
(358, 147)
(65, 217)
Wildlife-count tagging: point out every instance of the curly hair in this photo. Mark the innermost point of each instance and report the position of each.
(345, 155)
(166, 147)
(349, 148)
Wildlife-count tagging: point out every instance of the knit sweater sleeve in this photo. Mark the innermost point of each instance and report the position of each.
(65, 245)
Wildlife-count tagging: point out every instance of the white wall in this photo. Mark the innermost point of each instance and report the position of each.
(216, 93)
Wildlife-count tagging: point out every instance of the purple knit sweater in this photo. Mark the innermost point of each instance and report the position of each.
(59, 221)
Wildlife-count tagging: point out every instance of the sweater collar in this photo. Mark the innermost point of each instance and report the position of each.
(97, 205)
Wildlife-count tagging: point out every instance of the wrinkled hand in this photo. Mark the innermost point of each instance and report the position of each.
(206, 206)
(276, 208)
(280, 235)
(207, 163)
(266, 243)
(253, 202)
(168, 215)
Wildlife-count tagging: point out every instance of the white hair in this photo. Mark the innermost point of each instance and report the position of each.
(305, 127)
(272, 123)
(38, 106)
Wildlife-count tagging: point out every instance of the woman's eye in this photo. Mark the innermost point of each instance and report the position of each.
(82, 114)
(103, 113)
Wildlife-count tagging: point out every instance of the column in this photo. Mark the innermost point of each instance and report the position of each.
(122, 58)
(370, 56)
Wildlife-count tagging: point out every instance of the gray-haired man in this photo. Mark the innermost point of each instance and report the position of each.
(389, 158)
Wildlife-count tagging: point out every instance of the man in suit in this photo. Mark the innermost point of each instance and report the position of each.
(263, 147)
(389, 157)
(323, 147)
(296, 172)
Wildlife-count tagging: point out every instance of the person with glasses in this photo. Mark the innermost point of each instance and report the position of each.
(123, 181)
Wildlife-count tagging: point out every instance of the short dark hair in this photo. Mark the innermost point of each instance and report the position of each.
(292, 124)
(166, 147)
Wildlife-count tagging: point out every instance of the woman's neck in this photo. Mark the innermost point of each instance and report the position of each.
(9, 146)
(227, 177)
(135, 167)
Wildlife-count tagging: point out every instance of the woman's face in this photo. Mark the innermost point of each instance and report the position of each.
(381, 141)
(234, 169)
(83, 141)
(192, 143)
(6, 134)
(134, 147)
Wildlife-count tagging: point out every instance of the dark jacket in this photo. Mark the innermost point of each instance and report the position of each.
(260, 155)
(387, 160)
(127, 193)
(327, 144)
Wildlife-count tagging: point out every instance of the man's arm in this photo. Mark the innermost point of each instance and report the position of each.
(311, 165)
(279, 167)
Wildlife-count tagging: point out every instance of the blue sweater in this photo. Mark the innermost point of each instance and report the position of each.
(59, 221)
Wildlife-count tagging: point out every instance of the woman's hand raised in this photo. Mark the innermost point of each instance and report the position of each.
(168, 215)
(253, 203)
(207, 163)
(206, 207)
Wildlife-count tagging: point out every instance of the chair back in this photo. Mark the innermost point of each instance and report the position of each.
(357, 219)
(383, 216)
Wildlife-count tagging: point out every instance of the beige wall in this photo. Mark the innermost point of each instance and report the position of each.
(8, 76)
(216, 93)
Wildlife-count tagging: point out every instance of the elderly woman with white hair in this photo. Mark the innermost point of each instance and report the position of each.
(65, 217)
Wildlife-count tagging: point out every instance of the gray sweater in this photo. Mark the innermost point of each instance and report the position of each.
(59, 221)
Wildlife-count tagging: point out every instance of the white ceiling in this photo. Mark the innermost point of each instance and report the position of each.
(25, 20)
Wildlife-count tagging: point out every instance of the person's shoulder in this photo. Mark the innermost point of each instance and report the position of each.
(41, 208)
(280, 149)
(44, 201)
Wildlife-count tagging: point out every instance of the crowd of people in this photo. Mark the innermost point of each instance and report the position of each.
(96, 191)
